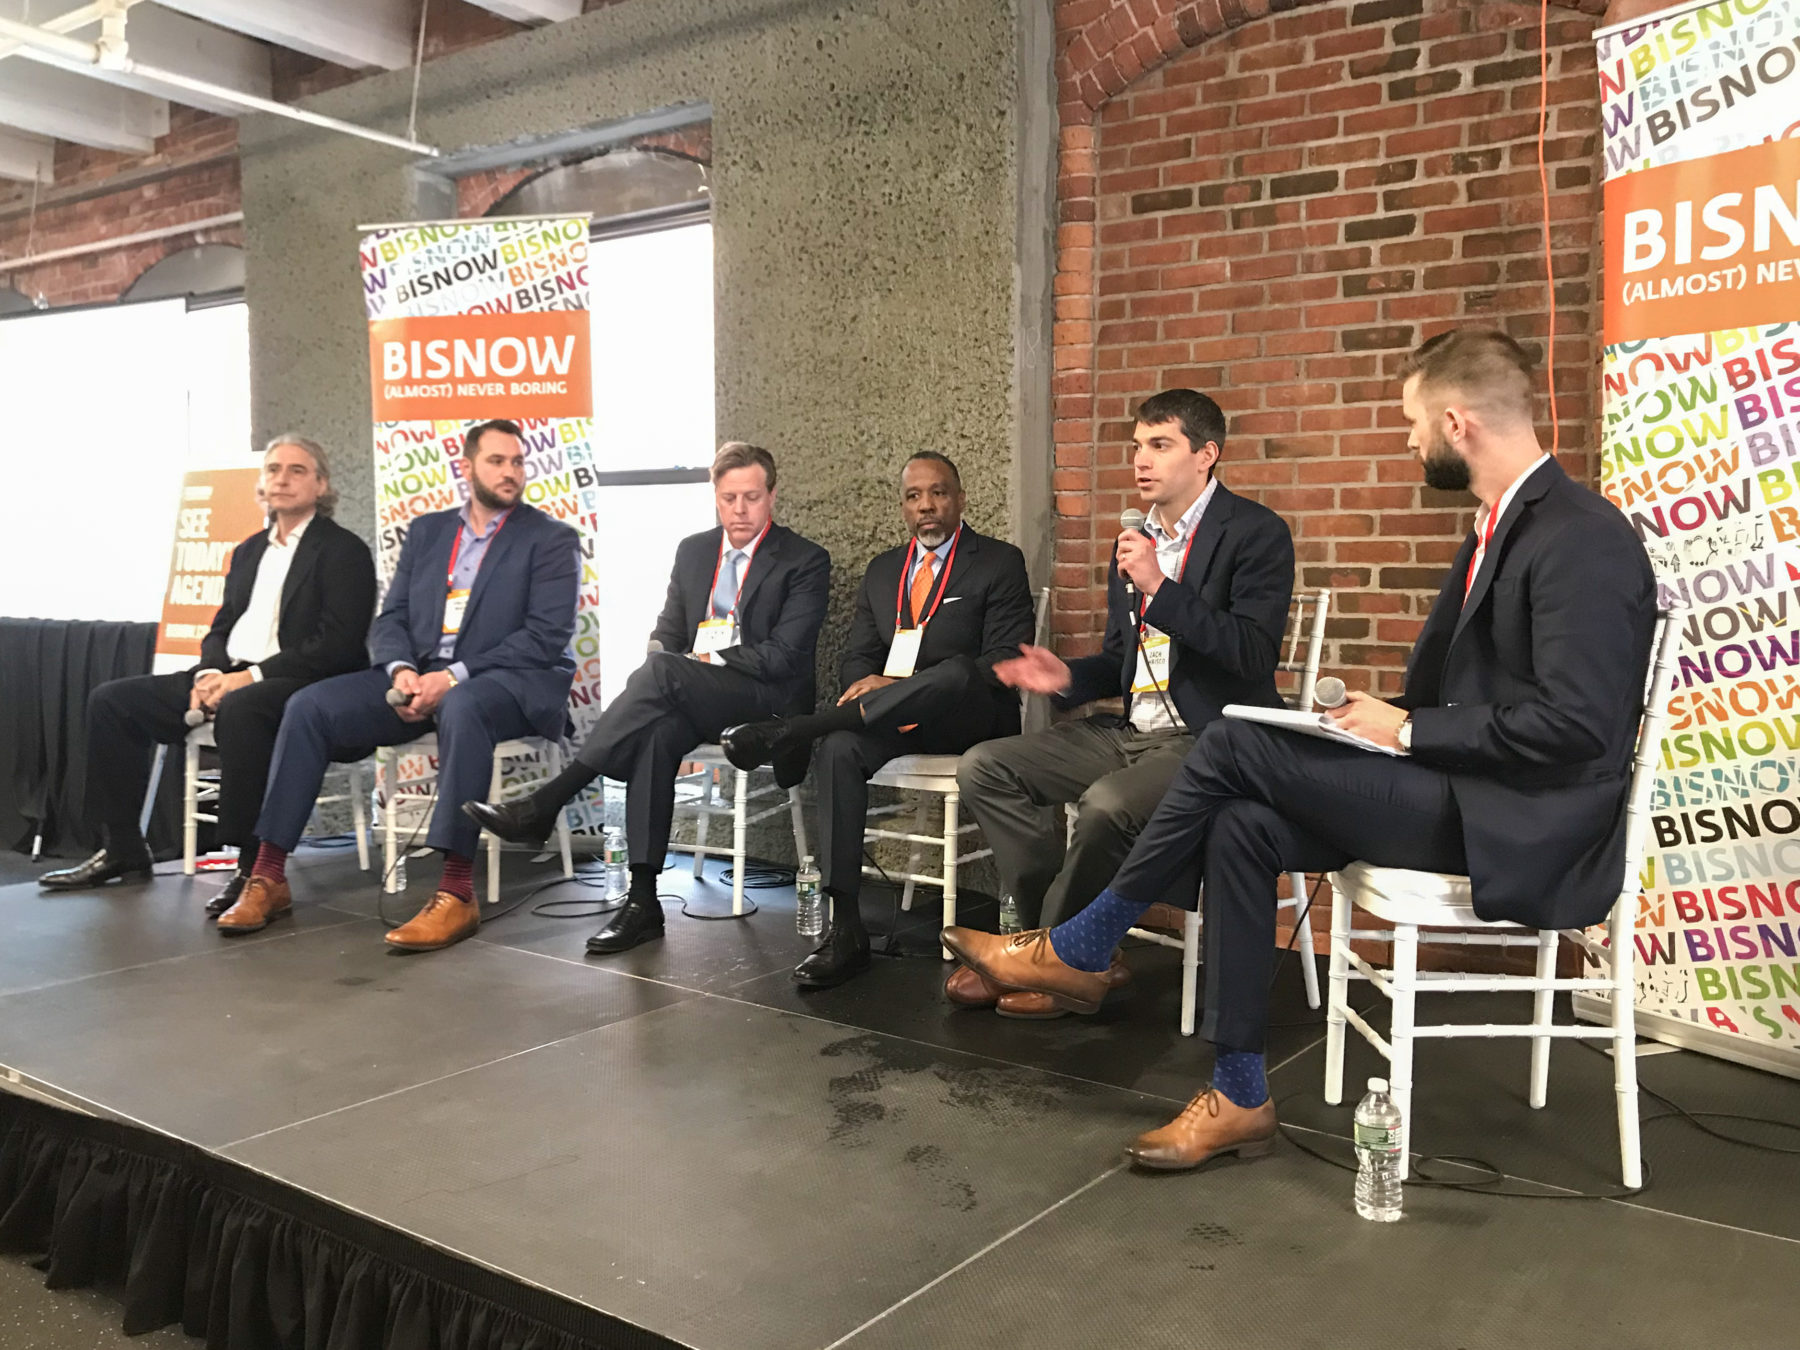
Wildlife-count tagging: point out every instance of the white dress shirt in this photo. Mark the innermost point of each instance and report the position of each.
(256, 636)
(1152, 712)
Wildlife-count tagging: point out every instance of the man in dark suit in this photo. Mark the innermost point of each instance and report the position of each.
(1195, 609)
(1514, 740)
(920, 682)
(472, 643)
(298, 597)
(735, 640)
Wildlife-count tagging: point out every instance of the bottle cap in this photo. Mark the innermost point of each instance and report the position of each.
(1378, 1085)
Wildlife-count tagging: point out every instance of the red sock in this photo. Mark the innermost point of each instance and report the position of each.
(459, 876)
(271, 862)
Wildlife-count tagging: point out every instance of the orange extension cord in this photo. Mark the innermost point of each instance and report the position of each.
(1544, 185)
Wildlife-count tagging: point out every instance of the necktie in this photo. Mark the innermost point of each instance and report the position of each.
(921, 587)
(1481, 548)
(726, 588)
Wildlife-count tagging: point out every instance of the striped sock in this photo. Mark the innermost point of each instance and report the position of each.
(271, 862)
(459, 876)
(1240, 1077)
(1087, 940)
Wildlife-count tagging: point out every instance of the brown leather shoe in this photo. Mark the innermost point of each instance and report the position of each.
(445, 921)
(1031, 1007)
(966, 989)
(1210, 1125)
(1027, 961)
(262, 901)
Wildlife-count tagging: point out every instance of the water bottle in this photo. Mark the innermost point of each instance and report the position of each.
(809, 903)
(400, 871)
(1009, 916)
(1378, 1154)
(616, 879)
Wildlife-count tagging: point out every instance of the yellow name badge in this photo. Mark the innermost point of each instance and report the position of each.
(454, 606)
(714, 636)
(903, 655)
(1153, 661)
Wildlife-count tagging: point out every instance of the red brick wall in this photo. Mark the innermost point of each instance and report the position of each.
(1274, 202)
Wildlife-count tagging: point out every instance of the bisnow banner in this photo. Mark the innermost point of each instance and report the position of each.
(1701, 450)
(471, 320)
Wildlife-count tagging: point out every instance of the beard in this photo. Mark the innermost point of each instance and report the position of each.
(931, 536)
(1445, 470)
(488, 497)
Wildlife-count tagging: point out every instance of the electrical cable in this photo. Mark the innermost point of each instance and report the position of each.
(1544, 186)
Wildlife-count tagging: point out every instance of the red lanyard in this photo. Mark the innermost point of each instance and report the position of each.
(456, 550)
(1180, 572)
(718, 562)
(942, 583)
(1487, 536)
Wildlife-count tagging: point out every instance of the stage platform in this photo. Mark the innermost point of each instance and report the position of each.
(681, 1139)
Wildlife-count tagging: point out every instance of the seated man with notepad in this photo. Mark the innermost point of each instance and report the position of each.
(1512, 750)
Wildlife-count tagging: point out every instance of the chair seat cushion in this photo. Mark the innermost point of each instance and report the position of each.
(1428, 899)
(926, 773)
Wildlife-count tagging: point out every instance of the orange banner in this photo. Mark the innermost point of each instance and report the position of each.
(1703, 245)
(469, 367)
(219, 511)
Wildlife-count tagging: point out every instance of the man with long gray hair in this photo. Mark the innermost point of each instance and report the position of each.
(298, 599)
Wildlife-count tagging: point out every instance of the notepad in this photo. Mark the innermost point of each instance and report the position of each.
(1322, 725)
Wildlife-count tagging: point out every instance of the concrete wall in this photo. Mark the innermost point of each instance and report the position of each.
(867, 177)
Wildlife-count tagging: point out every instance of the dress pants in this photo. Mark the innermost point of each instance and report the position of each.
(1016, 786)
(670, 705)
(950, 707)
(1251, 802)
(127, 717)
(345, 718)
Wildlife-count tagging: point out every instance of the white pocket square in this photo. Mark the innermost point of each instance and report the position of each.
(949, 599)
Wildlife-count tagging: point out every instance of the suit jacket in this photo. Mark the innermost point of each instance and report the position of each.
(986, 612)
(326, 602)
(1529, 693)
(521, 611)
(780, 609)
(1225, 617)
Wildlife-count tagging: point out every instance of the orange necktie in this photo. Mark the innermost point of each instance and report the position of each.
(921, 588)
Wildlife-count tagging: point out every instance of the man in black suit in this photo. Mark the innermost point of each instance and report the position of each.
(298, 597)
(1514, 740)
(920, 682)
(1195, 609)
(735, 640)
(472, 644)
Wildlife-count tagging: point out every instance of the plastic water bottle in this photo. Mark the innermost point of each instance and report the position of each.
(617, 881)
(400, 871)
(1378, 1154)
(809, 905)
(1009, 915)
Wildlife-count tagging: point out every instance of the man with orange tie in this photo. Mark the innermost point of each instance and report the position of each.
(918, 682)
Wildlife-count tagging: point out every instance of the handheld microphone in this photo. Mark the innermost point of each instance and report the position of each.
(1329, 692)
(1131, 519)
(396, 699)
(193, 717)
(652, 647)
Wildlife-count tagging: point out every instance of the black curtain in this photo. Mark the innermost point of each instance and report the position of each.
(182, 1235)
(47, 669)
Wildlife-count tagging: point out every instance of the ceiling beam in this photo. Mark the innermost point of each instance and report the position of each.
(365, 34)
(159, 37)
(27, 158)
(67, 107)
(533, 11)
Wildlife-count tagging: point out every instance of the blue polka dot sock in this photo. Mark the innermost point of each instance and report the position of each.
(1240, 1077)
(1087, 940)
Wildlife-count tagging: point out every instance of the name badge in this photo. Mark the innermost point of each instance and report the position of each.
(903, 656)
(454, 605)
(1154, 656)
(713, 636)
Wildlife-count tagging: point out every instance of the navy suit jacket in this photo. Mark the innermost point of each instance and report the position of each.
(521, 612)
(1225, 617)
(780, 609)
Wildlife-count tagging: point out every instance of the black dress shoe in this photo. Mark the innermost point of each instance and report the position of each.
(641, 920)
(516, 822)
(103, 867)
(228, 897)
(750, 745)
(843, 953)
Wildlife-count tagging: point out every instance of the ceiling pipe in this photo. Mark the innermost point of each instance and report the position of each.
(122, 241)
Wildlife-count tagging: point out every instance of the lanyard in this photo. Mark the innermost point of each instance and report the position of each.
(1180, 572)
(456, 550)
(1485, 538)
(718, 562)
(939, 586)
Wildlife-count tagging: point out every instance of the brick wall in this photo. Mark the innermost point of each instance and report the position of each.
(1274, 202)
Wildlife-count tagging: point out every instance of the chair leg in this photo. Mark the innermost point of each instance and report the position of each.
(1543, 1004)
(493, 840)
(951, 801)
(359, 814)
(1405, 979)
(1190, 970)
(1624, 1021)
(565, 845)
(797, 810)
(156, 773)
(1339, 986)
(740, 836)
(190, 808)
(388, 766)
(709, 781)
(1303, 938)
(916, 856)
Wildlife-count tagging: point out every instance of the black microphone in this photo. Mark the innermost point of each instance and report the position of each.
(396, 699)
(1329, 692)
(1131, 519)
